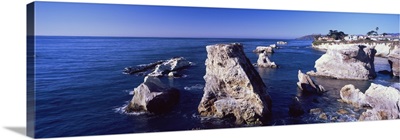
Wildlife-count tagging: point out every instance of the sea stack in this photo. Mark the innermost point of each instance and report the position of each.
(307, 85)
(153, 96)
(347, 62)
(233, 87)
(264, 62)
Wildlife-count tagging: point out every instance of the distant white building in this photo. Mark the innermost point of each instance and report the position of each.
(352, 37)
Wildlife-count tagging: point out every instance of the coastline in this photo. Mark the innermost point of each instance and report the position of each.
(383, 49)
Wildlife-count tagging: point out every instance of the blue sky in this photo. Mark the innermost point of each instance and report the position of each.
(77, 19)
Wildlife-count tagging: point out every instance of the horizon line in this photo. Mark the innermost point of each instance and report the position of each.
(156, 37)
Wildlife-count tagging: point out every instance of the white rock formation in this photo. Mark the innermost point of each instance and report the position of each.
(262, 49)
(153, 96)
(382, 49)
(383, 102)
(349, 62)
(351, 95)
(170, 65)
(307, 85)
(233, 87)
(263, 61)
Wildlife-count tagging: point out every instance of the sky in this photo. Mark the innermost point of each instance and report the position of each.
(79, 19)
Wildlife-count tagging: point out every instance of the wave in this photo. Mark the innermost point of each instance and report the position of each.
(396, 86)
(194, 87)
(121, 110)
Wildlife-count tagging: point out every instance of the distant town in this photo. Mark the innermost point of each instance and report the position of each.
(335, 36)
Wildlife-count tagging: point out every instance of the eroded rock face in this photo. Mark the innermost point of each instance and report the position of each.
(351, 95)
(382, 102)
(382, 49)
(262, 49)
(170, 65)
(307, 85)
(233, 87)
(394, 61)
(263, 61)
(347, 62)
(153, 96)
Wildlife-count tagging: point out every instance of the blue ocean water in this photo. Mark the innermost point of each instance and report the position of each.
(80, 87)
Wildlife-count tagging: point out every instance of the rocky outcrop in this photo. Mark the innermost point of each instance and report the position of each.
(273, 46)
(295, 108)
(159, 68)
(281, 43)
(142, 68)
(351, 95)
(385, 103)
(382, 102)
(153, 96)
(307, 85)
(262, 49)
(382, 49)
(173, 64)
(350, 62)
(394, 61)
(264, 62)
(233, 87)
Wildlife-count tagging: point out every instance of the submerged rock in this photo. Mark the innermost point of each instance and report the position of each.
(347, 62)
(170, 65)
(262, 49)
(295, 108)
(263, 61)
(233, 87)
(323, 116)
(153, 96)
(315, 111)
(342, 111)
(307, 85)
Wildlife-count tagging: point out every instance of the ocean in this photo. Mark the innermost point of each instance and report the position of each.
(80, 88)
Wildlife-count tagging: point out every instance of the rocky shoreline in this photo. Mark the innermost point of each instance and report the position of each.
(382, 49)
(234, 89)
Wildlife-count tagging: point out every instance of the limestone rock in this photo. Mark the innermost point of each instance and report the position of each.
(351, 95)
(262, 49)
(233, 87)
(394, 61)
(315, 111)
(263, 61)
(153, 96)
(323, 116)
(347, 62)
(342, 111)
(385, 103)
(307, 85)
(170, 65)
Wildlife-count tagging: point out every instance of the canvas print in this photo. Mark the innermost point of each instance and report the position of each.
(96, 69)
